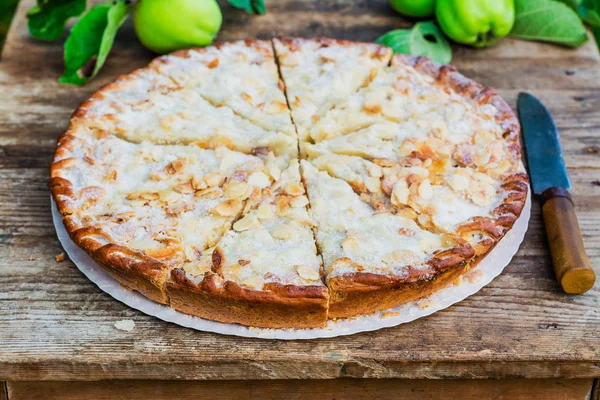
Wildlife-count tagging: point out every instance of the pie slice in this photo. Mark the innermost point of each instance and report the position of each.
(158, 205)
(421, 107)
(229, 95)
(374, 260)
(435, 194)
(402, 93)
(319, 73)
(265, 272)
(240, 75)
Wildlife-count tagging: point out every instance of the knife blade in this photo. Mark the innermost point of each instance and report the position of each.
(550, 180)
(544, 154)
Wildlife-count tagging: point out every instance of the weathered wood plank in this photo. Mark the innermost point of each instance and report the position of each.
(574, 389)
(56, 325)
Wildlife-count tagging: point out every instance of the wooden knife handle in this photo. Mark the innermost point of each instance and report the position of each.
(571, 263)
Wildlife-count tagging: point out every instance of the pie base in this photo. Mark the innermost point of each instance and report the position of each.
(280, 307)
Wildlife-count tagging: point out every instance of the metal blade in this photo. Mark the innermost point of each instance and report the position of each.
(542, 144)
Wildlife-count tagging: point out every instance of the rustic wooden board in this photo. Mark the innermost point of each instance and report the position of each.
(342, 389)
(56, 325)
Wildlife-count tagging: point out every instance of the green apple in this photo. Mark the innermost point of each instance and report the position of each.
(414, 8)
(167, 25)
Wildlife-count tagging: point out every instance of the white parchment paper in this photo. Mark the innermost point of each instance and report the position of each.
(490, 267)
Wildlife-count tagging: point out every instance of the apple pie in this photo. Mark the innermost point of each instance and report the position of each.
(284, 183)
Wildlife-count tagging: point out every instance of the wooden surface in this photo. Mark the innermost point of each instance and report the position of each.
(56, 325)
(342, 389)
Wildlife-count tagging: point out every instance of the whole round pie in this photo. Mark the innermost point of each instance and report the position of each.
(283, 183)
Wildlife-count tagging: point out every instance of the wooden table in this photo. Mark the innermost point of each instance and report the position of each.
(56, 326)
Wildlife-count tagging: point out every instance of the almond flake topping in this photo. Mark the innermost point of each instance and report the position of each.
(259, 179)
(400, 193)
(266, 211)
(184, 188)
(305, 272)
(213, 179)
(209, 193)
(294, 189)
(299, 201)
(228, 208)
(425, 190)
(176, 166)
(458, 182)
(246, 223)
(237, 190)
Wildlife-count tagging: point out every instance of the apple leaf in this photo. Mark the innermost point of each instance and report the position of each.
(90, 41)
(424, 39)
(548, 21)
(250, 6)
(588, 10)
(46, 20)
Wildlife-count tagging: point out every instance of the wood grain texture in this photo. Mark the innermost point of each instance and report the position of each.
(56, 325)
(383, 389)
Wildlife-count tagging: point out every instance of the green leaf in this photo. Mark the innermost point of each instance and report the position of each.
(90, 41)
(424, 39)
(47, 19)
(548, 21)
(589, 11)
(251, 6)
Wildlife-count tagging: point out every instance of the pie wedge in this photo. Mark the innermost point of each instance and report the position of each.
(376, 259)
(264, 271)
(228, 96)
(319, 73)
(160, 204)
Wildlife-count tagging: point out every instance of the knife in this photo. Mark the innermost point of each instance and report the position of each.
(550, 181)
